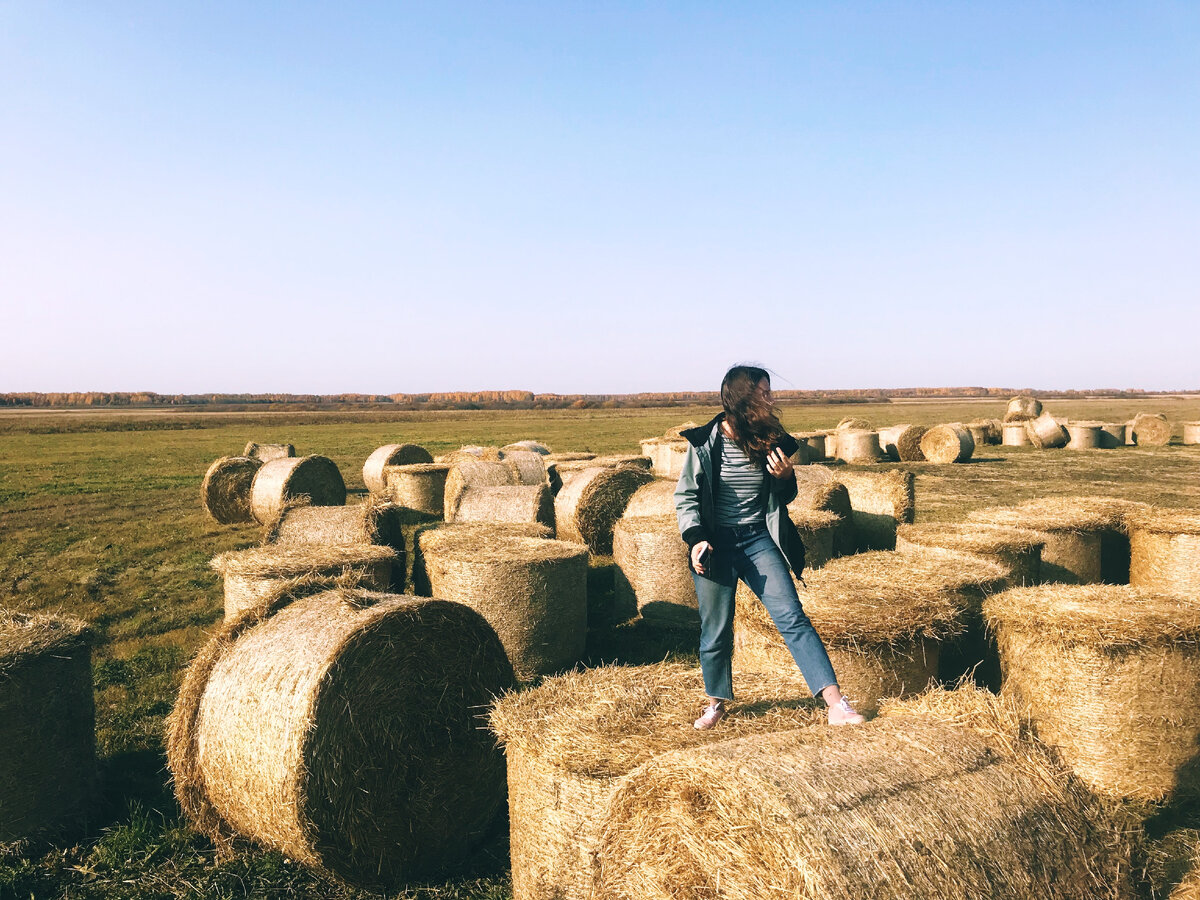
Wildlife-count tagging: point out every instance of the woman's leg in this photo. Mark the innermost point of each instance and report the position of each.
(714, 594)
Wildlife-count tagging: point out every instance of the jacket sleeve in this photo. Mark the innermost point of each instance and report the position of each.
(687, 501)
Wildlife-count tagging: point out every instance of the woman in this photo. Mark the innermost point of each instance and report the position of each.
(731, 502)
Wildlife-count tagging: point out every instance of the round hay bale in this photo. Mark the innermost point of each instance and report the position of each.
(1023, 408)
(815, 441)
(1018, 550)
(343, 730)
(527, 466)
(1095, 665)
(534, 446)
(816, 528)
(588, 506)
(678, 430)
(47, 723)
(666, 455)
(225, 491)
(853, 424)
(1112, 435)
(1170, 864)
(1045, 432)
(481, 531)
(902, 443)
(817, 489)
(979, 432)
(572, 742)
(418, 486)
(1015, 434)
(1083, 435)
(1151, 430)
(881, 615)
(944, 444)
(1165, 551)
(258, 573)
(612, 461)
(1191, 433)
(879, 502)
(652, 571)
(859, 447)
(467, 470)
(993, 430)
(391, 455)
(532, 591)
(899, 808)
(1130, 437)
(375, 521)
(568, 457)
(514, 503)
(654, 498)
(268, 452)
(282, 482)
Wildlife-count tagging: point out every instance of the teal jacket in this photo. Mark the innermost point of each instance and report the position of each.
(695, 495)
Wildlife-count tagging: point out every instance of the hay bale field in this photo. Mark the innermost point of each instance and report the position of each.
(528, 466)
(1046, 432)
(483, 531)
(225, 491)
(881, 615)
(895, 809)
(573, 741)
(1191, 433)
(343, 729)
(391, 455)
(532, 591)
(47, 725)
(879, 503)
(1165, 551)
(902, 443)
(817, 528)
(374, 521)
(654, 498)
(588, 506)
(1112, 435)
(1023, 408)
(859, 447)
(1015, 435)
(268, 452)
(469, 471)
(418, 486)
(1083, 435)
(282, 482)
(817, 489)
(652, 571)
(945, 444)
(1151, 430)
(1019, 550)
(515, 503)
(258, 573)
(1110, 675)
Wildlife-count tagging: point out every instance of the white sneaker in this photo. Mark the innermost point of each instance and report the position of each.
(713, 713)
(842, 713)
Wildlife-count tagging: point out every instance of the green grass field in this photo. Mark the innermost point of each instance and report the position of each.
(100, 518)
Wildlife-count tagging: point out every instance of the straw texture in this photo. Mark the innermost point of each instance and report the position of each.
(1112, 435)
(418, 486)
(1095, 665)
(588, 506)
(859, 447)
(1165, 551)
(268, 452)
(851, 423)
(1151, 430)
(535, 446)
(483, 532)
(532, 591)
(1015, 435)
(817, 489)
(343, 729)
(1045, 432)
(1018, 550)
(282, 482)
(902, 443)
(528, 466)
(572, 742)
(947, 444)
(896, 809)
(666, 455)
(513, 503)
(816, 528)
(879, 503)
(374, 521)
(1023, 408)
(469, 471)
(1191, 433)
(391, 455)
(652, 571)
(47, 724)
(225, 491)
(654, 498)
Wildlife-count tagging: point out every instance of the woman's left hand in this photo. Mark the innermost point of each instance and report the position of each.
(779, 464)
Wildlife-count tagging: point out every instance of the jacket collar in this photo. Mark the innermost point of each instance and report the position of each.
(700, 435)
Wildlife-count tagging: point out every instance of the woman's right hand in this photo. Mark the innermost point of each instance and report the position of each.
(699, 550)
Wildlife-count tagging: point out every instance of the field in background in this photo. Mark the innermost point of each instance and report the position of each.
(100, 517)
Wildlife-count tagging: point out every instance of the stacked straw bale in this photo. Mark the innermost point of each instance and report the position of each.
(816, 528)
(900, 808)
(1165, 551)
(851, 423)
(654, 498)
(375, 521)
(343, 730)
(1112, 435)
(282, 482)
(1111, 678)
(47, 725)
(653, 573)
(947, 444)
(568, 457)
(225, 491)
(268, 452)
(815, 441)
(1151, 430)
(882, 616)
(979, 432)
(612, 461)
(879, 503)
(469, 471)
(535, 446)
(1191, 433)
(991, 430)
(528, 467)
(589, 505)
(482, 532)
(1023, 408)
(418, 486)
(260, 572)
(374, 468)
(817, 489)
(1045, 432)
(532, 591)
(1015, 435)
(859, 447)
(1019, 550)
(573, 742)
(666, 455)
(902, 443)
(515, 503)
(1083, 435)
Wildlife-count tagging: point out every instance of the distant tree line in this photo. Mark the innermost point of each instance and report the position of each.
(514, 399)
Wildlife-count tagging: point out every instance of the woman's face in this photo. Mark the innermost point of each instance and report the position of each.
(762, 391)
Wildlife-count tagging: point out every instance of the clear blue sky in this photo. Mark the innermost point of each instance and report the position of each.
(598, 197)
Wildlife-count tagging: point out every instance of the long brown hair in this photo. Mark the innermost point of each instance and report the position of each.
(755, 425)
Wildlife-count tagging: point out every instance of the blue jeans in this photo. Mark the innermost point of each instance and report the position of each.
(748, 552)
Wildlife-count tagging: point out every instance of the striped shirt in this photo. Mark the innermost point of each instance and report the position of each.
(740, 498)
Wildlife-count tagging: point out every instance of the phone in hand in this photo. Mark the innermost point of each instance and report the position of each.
(705, 556)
